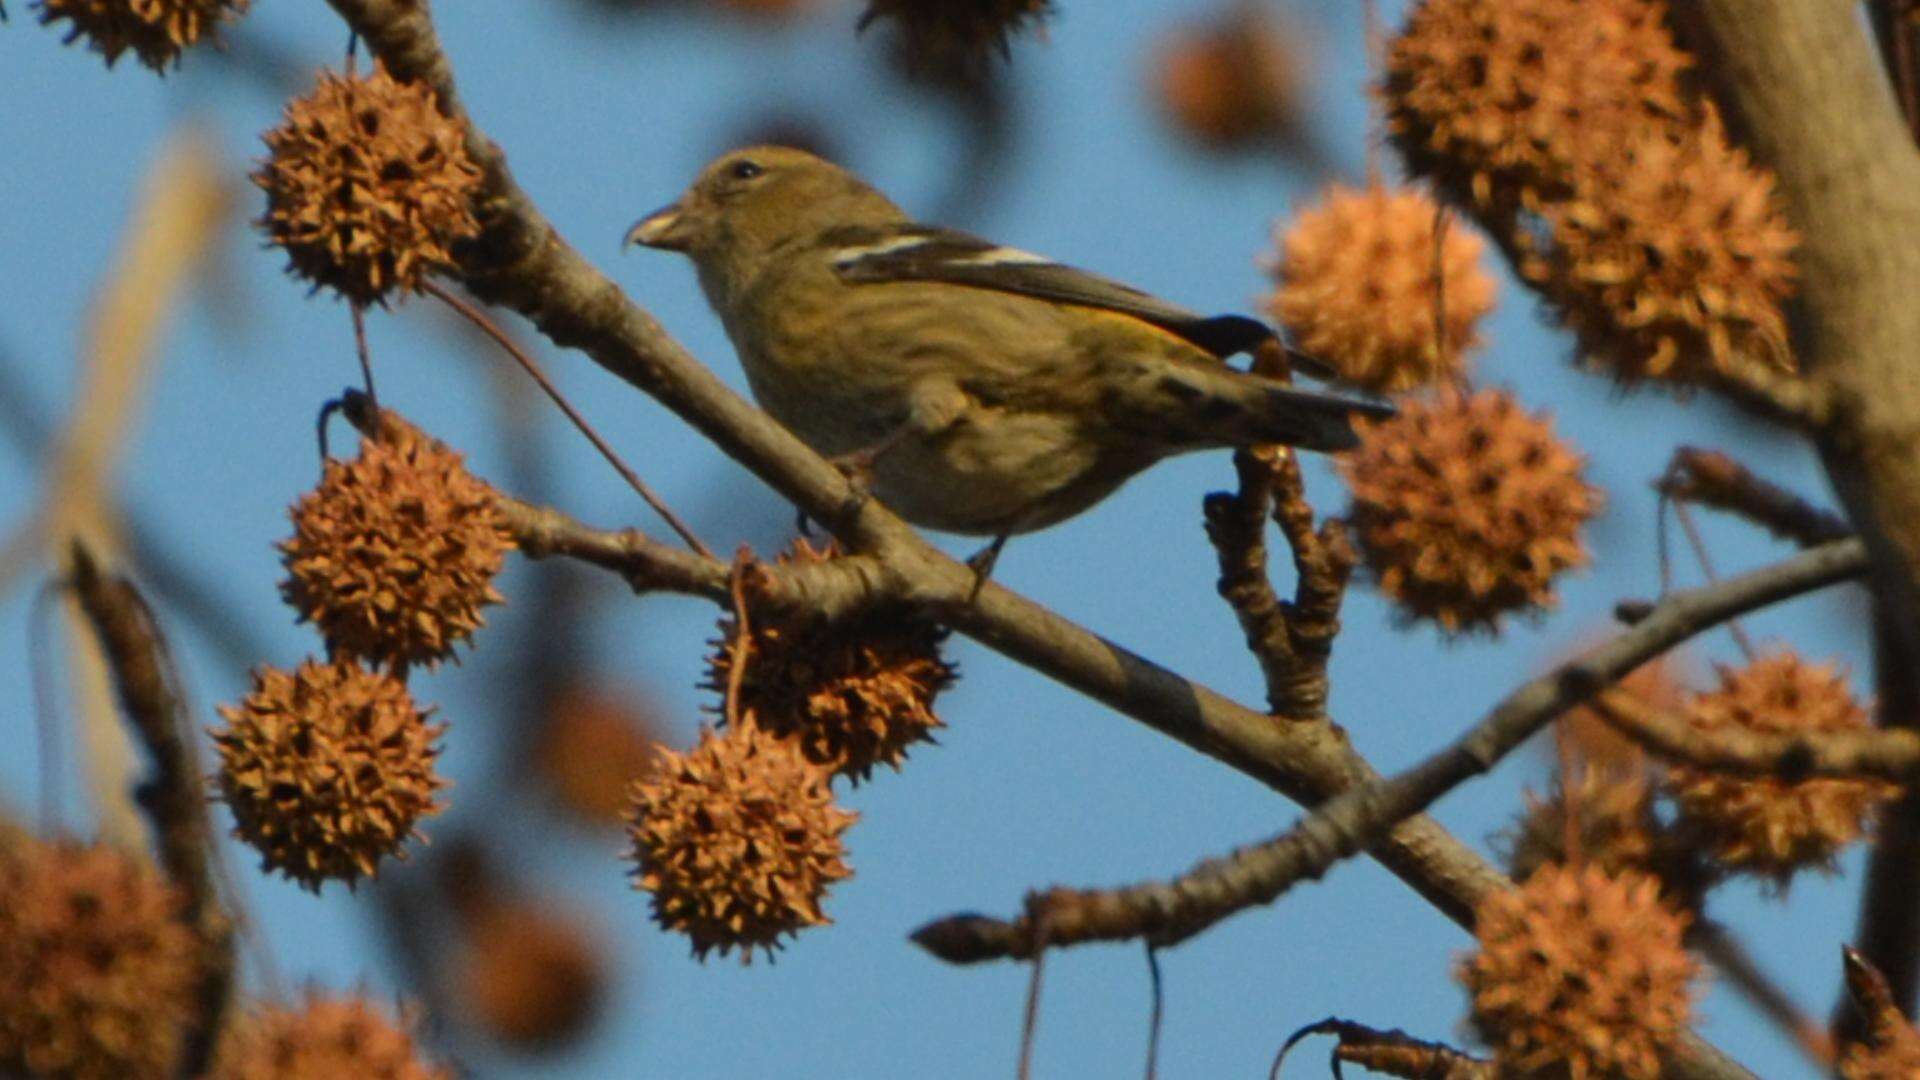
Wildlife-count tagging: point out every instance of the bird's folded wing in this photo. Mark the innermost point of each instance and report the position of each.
(920, 253)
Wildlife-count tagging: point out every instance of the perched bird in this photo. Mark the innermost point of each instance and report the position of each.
(975, 388)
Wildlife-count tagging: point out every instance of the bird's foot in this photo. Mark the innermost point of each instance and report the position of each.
(857, 467)
(982, 562)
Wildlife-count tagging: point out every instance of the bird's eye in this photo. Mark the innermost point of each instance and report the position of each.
(745, 170)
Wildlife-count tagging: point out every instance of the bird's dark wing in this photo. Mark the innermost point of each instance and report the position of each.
(920, 253)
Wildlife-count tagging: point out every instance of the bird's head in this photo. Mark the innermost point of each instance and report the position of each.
(747, 203)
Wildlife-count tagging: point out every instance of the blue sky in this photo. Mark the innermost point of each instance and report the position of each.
(1031, 785)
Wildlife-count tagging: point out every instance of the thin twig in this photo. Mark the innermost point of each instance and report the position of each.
(742, 637)
(1030, 1020)
(1158, 1015)
(526, 362)
(360, 348)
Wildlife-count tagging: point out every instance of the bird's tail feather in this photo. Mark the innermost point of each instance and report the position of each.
(1196, 407)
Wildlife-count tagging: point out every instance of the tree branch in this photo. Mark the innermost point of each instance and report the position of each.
(1817, 108)
(173, 799)
(1166, 913)
(1712, 478)
(1291, 641)
(1892, 755)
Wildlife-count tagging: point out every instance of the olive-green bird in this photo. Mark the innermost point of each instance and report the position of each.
(979, 389)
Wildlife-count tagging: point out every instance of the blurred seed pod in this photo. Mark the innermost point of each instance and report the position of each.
(157, 31)
(1614, 828)
(323, 1038)
(1503, 105)
(1234, 83)
(590, 745)
(1594, 744)
(522, 968)
(1382, 287)
(1672, 259)
(1570, 130)
(102, 971)
(955, 34)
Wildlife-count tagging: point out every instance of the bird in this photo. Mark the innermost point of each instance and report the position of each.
(973, 388)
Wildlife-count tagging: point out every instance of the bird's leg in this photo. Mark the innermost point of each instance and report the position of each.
(981, 563)
(933, 405)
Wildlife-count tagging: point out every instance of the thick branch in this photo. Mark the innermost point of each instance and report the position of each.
(1817, 108)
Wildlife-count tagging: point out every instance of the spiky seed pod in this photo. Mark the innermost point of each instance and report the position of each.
(955, 33)
(1615, 819)
(368, 186)
(1580, 973)
(1672, 259)
(1230, 84)
(529, 977)
(591, 744)
(1360, 287)
(853, 693)
(100, 969)
(157, 31)
(1568, 128)
(393, 555)
(1467, 507)
(1501, 104)
(737, 840)
(324, 1038)
(1617, 831)
(327, 769)
(1765, 825)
